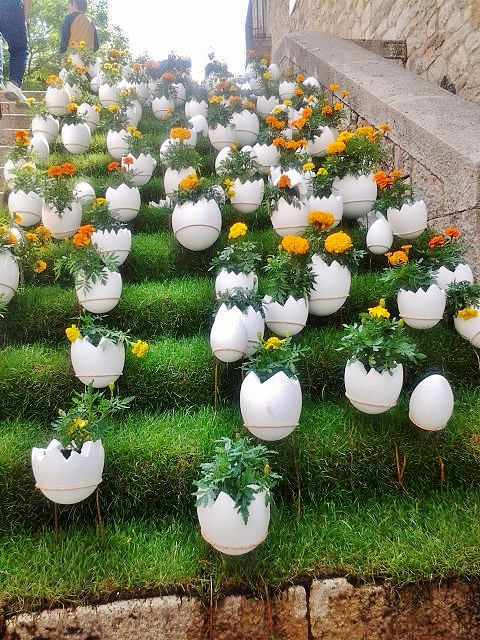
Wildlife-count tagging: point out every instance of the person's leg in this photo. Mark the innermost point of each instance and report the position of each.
(2, 85)
(14, 31)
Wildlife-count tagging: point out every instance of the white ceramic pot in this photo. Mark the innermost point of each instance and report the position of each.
(379, 236)
(173, 177)
(331, 204)
(431, 403)
(84, 193)
(47, 126)
(97, 366)
(248, 195)
(123, 202)
(91, 115)
(469, 328)
(255, 326)
(117, 242)
(221, 136)
(422, 309)
(99, 297)
(267, 156)
(246, 126)
(331, 287)
(227, 281)
(286, 90)
(68, 481)
(265, 105)
(26, 205)
(461, 273)
(224, 529)
(289, 219)
(271, 409)
(117, 145)
(39, 147)
(197, 225)
(162, 106)
(141, 169)
(409, 221)
(108, 94)
(372, 392)
(76, 137)
(134, 113)
(317, 147)
(57, 101)
(194, 108)
(228, 335)
(358, 194)
(286, 319)
(62, 225)
(9, 275)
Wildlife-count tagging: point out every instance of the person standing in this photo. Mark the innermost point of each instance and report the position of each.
(78, 27)
(13, 28)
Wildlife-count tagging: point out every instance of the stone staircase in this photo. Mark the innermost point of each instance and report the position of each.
(14, 116)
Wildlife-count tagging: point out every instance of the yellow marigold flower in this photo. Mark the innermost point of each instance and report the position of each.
(114, 108)
(215, 99)
(273, 343)
(266, 469)
(322, 171)
(467, 313)
(308, 166)
(345, 93)
(237, 230)
(17, 218)
(73, 333)
(334, 87)
(397, 258)
(39, 266)
(32, 237)
(338, 106)
(77, 425)
(321, 219)
(339, 242)
(287, 103)
(336, 147)
(378, 312)
(72, 107)
(139, 348)
(189, 183)
(295, 244)
(384, 127)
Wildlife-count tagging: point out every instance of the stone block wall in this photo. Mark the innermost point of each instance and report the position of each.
(442, 38)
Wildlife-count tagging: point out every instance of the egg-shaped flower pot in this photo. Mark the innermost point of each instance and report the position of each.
(289, 218)
(286, 89)
(197, 225)
(286, 319)
(246, 126)
(409, 221)
(162, 106)
(134, 113)
(266, 155)
(123, 202)
(421, 309)
(358, 194)
(117, 144)
(255, 326)
(226, 282)
(47, 126)
(224, 529)
(468, 326)
(57, 101)
(371, 391)
(265, 105)
(64, 224)
(195, 108)
(91, 115)
(117, 242)
(39, 147)
(9, 275)
(317, 146)
(98, 296)
(331, 286)
(76, 137)
(228, 335)
(68, 480)
(173, 177)
(270, 409)
(461, 273)
(108, 94)
(97, 365)
(379, 236)
(28, 206)
(330, 204)
(84, 192)
(221, 136)
(431, 403)
(141, 169)
(248, 195)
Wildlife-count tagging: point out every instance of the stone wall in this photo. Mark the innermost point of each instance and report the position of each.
(434, 137)
(442, 38)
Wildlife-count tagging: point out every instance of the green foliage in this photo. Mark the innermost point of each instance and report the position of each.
(240, 469)
(393, 191)
(378, 341)
(355, 153)
(275, 355)
(239, 164)
(240, 256)
(461, 295)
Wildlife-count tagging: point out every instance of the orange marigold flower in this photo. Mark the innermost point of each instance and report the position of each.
(113, 166)
(39, 266)
(339, 242)
(168, 77)
(321, 219)
(72, 107)
(136, 67)
(396, 173)
(436, 241)
(279, 142)
(180, 133)
(298, 91)
(336, 147)
(114, 53)
(300, 77)
(306, 112)
(54, 171)
(189, 183)
(327, 110)
(452, 232)
(127, 160)
(382, 179)
(397, 258)
(21, 136)
(68, 169)
(284, 181)
(295, 244)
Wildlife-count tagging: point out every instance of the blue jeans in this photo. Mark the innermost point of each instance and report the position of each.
(14, 31)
